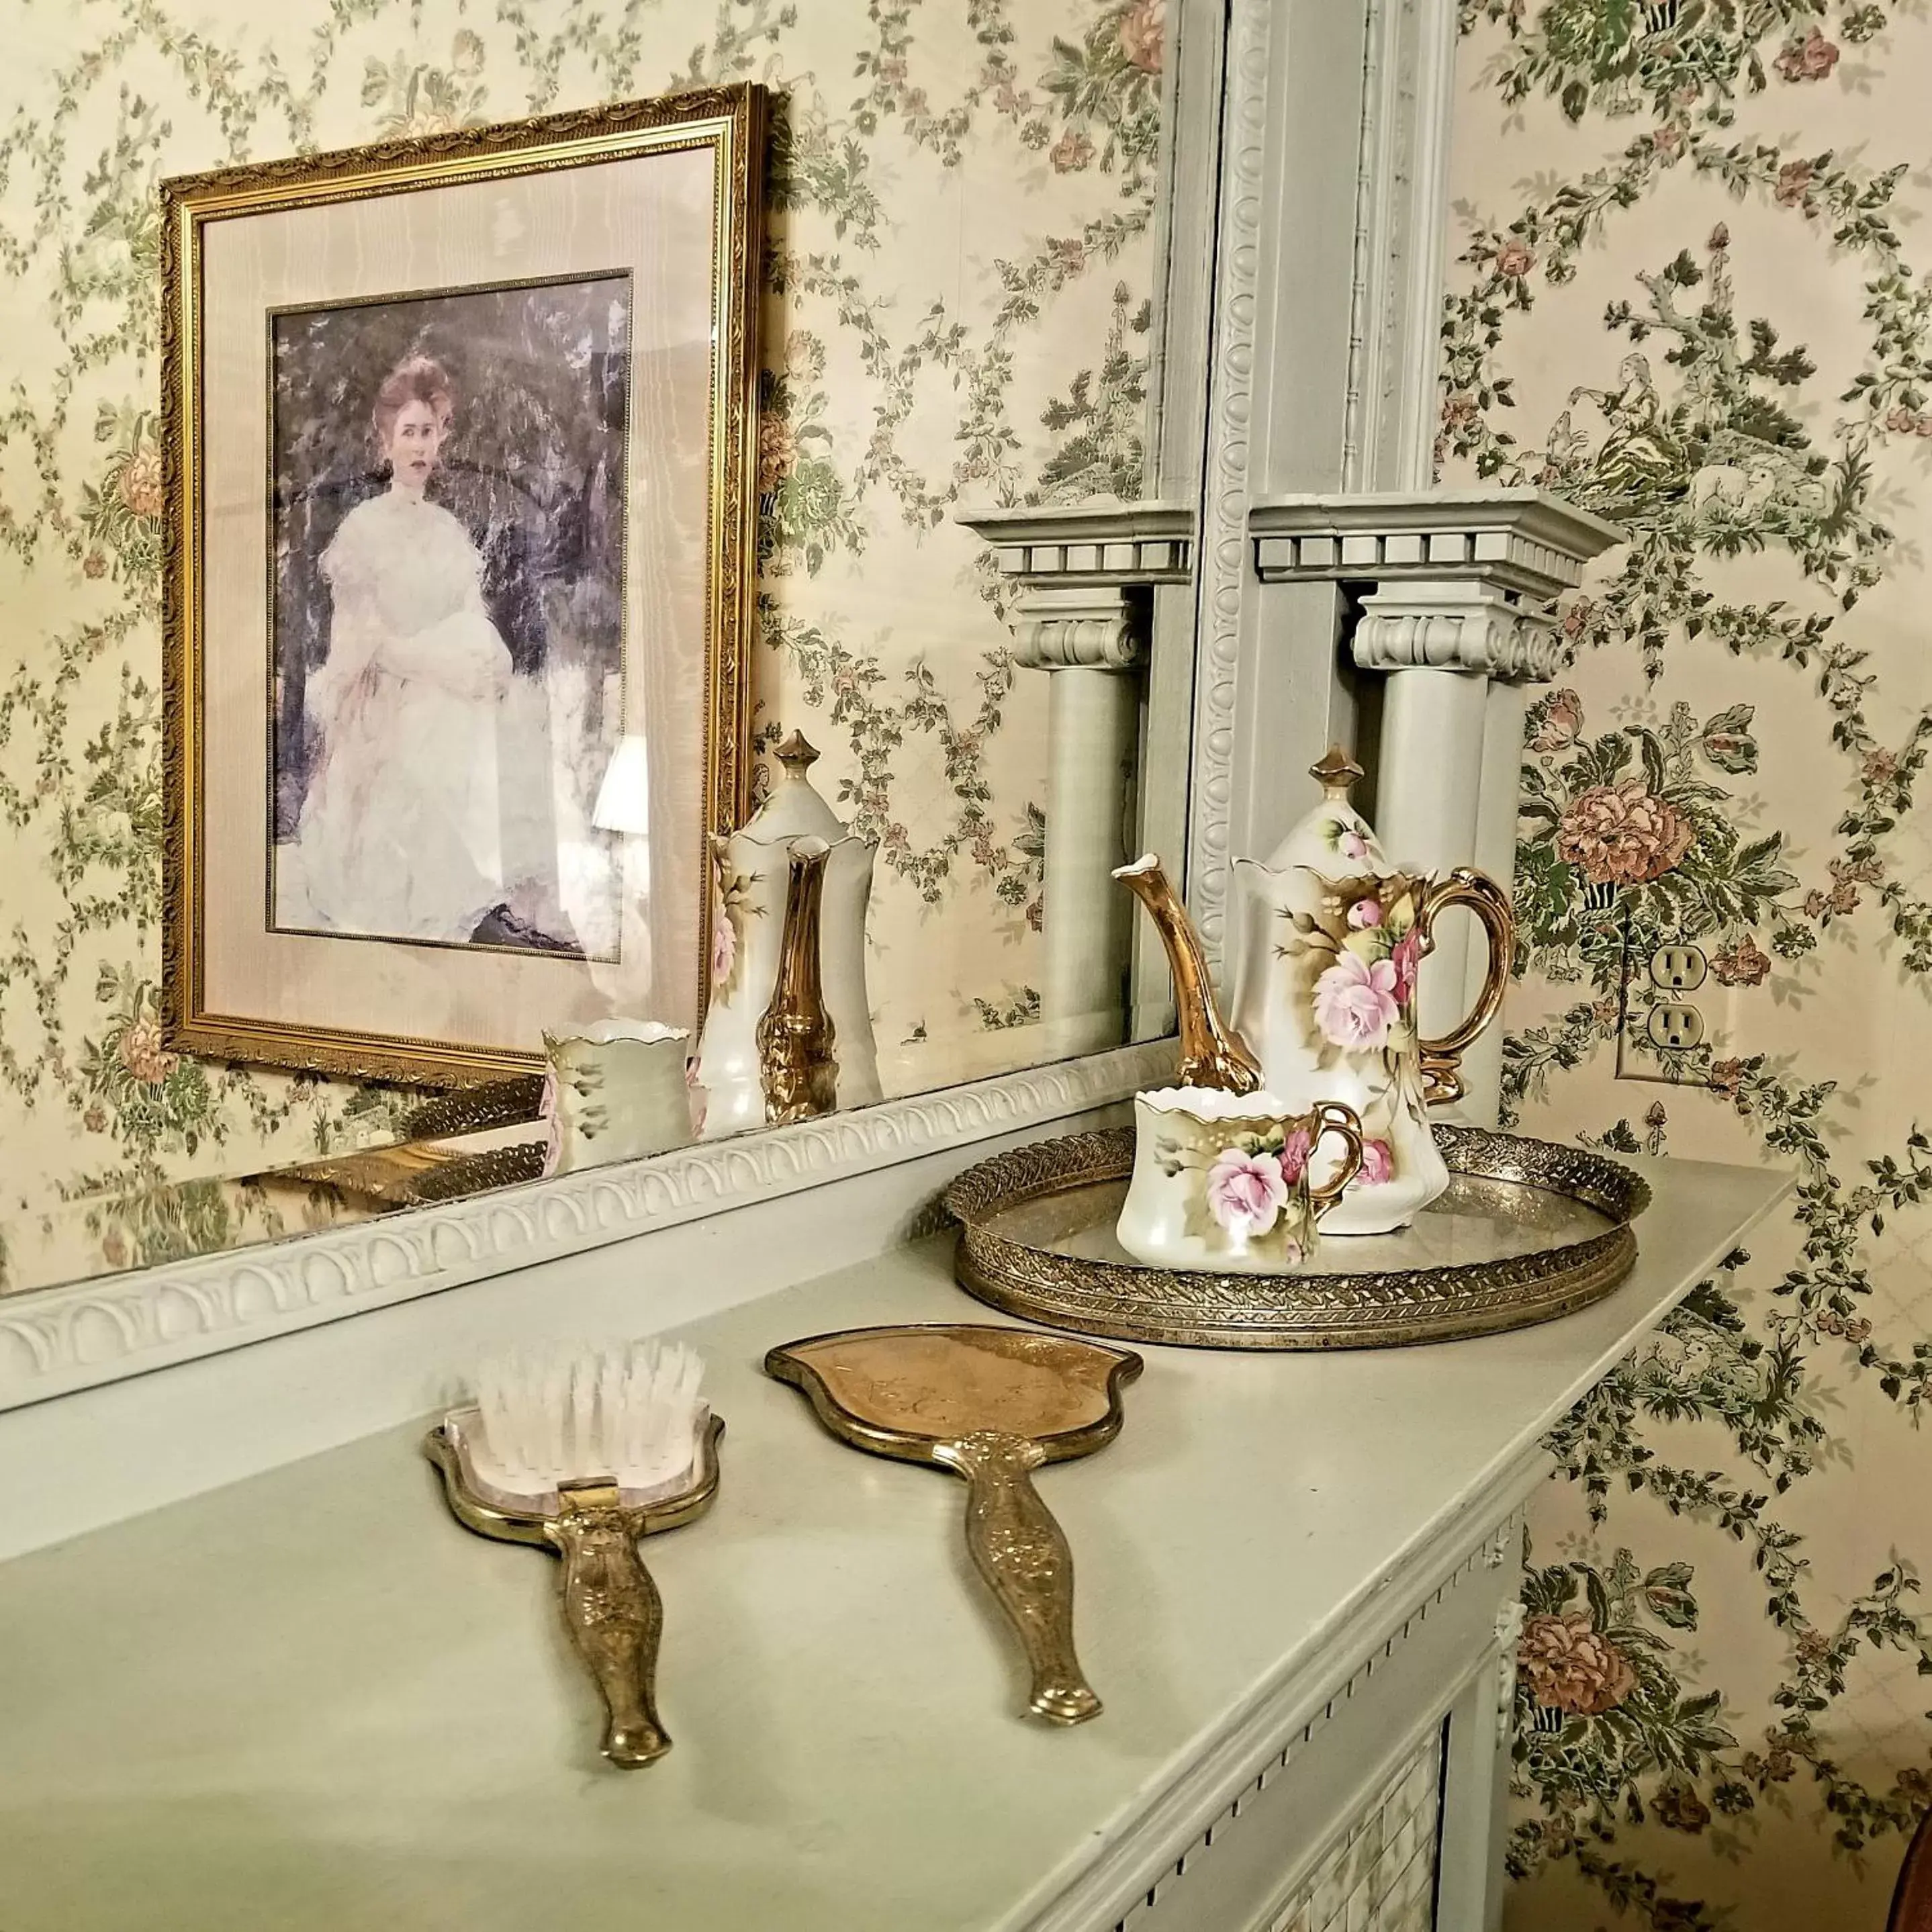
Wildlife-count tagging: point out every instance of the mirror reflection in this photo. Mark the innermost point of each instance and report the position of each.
(956, 314)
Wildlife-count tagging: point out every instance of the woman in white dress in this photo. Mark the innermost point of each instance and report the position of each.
(402, 830)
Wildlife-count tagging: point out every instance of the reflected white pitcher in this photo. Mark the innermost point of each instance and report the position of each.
(750, 871)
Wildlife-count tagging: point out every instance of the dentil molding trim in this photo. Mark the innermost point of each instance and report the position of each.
(1093, 544)
(1522, 540)
(56, 1340)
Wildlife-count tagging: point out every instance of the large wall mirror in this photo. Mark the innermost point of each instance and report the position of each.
(960, 309)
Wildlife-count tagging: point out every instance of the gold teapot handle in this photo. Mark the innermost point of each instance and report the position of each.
(1441, 1068)
(1332, 1117)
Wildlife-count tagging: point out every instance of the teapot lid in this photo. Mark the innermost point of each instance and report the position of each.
(795, 809)
(1334, 837)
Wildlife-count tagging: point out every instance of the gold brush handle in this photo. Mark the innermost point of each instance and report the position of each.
(613, 1613)
(1022, 1552)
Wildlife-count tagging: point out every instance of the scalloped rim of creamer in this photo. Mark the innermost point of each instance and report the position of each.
(1217, 1103)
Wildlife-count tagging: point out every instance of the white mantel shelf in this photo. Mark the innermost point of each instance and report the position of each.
(311, 1701)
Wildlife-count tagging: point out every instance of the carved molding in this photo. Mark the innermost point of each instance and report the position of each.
(1102, 628)
(1452, 626)
(58, 1339)
(1285, 1752)
(1521, 540)
(1116, 544)
(1510, 1621)
(1223, 572)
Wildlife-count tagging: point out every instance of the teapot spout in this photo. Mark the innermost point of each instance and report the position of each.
(1212, 1053)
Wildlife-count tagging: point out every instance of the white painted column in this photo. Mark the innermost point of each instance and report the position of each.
(1496, 817)
(1442, 644)
(1079, 611)
(1092, 643)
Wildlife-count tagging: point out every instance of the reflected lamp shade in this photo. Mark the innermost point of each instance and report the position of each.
(623, 799)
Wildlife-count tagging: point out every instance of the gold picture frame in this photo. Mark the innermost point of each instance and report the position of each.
(245, 247)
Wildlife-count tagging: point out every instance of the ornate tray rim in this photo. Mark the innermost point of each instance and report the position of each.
(1366, 1309)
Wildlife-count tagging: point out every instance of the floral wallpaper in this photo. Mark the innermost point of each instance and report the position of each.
(960, 251)
(1689, 289)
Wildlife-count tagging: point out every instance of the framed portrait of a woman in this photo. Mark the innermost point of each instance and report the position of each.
(459, 584)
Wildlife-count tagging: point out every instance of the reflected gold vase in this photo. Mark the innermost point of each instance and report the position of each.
(796, 1063)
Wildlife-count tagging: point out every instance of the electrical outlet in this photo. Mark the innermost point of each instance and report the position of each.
(1662, 1020)
(1679, 969)
(1687, 1005)
(1674, 1027)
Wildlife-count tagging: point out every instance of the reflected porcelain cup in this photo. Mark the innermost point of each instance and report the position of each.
(1221, 1181)
(615, 1090)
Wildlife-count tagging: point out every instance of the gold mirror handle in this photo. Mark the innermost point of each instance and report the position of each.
(1332, 1117)
(1022, 1552)
(614, 1615)
(1441, 1068)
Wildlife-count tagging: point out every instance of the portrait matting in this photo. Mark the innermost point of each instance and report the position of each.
(459, 588)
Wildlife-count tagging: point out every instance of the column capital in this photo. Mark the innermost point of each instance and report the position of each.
(1073, 627)
(1425, 625)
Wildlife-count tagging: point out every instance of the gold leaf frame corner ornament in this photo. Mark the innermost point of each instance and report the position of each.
(734, 120)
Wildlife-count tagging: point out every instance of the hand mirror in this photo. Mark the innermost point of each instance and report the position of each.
(991, 1405)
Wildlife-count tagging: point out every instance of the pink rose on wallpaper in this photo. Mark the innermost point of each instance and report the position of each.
(1364, 913)
(1560, 718)
(140, 1052)
(1571, 1666)
(1143, 29)
(777, 451)
(1515, 257)
(1406, 958)
(1295, 1149)
(1246, 1191)
(1070, 153)
(1794, 183)
(1623, 835)
(139, 484)
(1743, 965)
(1378, 1164)
(1355, 1004)
(1811, 58)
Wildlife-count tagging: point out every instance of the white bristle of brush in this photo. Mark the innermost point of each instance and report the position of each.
(565, 1412)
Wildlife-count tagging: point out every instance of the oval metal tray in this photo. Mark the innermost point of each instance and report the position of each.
(1528, 1231)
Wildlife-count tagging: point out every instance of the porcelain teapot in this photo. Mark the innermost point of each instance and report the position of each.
(751, 873)
(1328, 940)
